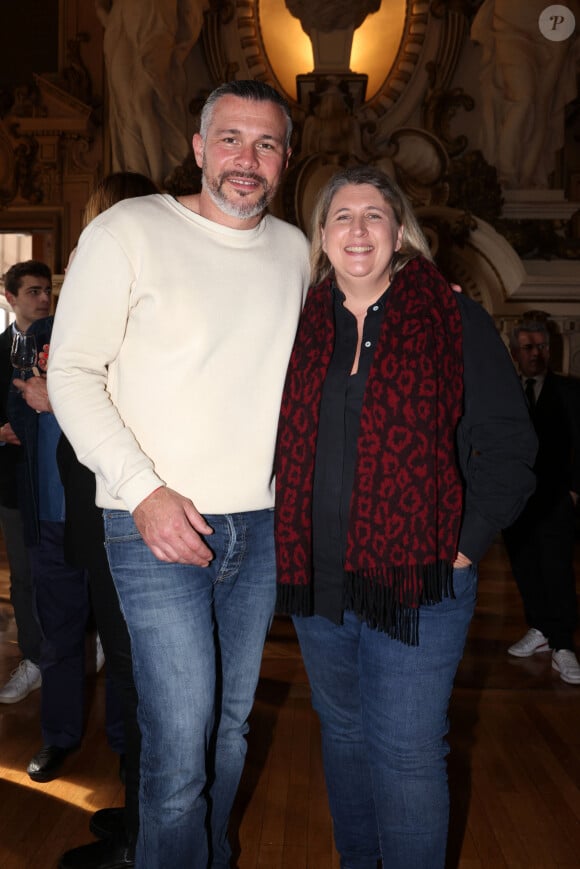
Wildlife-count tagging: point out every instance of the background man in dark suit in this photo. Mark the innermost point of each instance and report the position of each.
(28, 287)
(61, 591)
(541, 542)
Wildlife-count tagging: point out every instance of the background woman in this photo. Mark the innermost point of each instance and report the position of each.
(404, 446)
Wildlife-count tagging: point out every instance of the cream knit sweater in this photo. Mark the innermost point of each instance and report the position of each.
(169, 353)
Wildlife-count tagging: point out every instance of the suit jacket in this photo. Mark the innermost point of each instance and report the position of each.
(84, 534)
(556, 418)
(24, 421)
(9, 454)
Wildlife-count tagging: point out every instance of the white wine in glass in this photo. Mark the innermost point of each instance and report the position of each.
(23, 354)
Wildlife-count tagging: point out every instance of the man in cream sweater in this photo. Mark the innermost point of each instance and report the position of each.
(168, 356)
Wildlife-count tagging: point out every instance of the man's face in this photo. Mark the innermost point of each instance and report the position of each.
(532, 354)
(32, 302)
(242, 159)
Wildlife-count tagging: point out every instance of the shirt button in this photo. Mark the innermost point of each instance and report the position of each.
(375, 307)
(367, 343)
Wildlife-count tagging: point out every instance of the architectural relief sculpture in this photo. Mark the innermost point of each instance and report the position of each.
(146, 44)
(329, 15)
(330, 24)
(526, 81)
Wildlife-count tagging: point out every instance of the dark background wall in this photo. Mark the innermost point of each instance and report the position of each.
(28, 39)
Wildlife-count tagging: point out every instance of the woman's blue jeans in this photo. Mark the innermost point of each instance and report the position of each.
(197, 636)
(383, 712)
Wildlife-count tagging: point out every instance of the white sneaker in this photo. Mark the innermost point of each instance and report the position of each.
(534, 641)
(25, 678)
(100, 655)
(566, 663)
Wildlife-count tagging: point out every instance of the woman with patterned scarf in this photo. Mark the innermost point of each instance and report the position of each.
(404, 446)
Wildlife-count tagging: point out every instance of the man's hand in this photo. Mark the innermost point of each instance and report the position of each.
(172, 528)
(34, 393)
(8, 436)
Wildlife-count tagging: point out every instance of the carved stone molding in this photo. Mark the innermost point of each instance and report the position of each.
(442, 101)
(47, 133)
(7, 167)
(220, 13)
(233, 37)
(50, 156)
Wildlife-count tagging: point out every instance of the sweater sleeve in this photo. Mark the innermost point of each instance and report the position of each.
(88, 333)
(496, 441)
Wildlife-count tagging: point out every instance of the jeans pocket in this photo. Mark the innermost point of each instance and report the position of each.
(465, 580)
(119, 526)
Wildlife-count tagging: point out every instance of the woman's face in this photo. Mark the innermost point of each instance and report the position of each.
(360, 236)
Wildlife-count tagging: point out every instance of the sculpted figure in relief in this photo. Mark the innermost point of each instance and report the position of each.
(329, 15)
(146, 44)
(526, 81)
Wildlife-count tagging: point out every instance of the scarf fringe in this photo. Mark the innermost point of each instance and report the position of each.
(385, 600)
(294, 600)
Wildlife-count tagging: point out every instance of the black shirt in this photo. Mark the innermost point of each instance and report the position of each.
(340, 410)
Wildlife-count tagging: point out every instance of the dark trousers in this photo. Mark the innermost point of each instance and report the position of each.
(540, 546)
(62, 607)
(21, 595)
(117, 647)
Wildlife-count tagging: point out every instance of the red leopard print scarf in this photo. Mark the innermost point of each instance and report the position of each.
(408, 496)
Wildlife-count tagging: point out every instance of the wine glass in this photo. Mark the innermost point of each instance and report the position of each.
(23, 354)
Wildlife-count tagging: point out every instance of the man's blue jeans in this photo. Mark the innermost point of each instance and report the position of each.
(197, 636)
(383, 712)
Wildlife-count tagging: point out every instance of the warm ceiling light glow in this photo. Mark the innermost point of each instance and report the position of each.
(376, 43)
(288, 48)
(289, 51)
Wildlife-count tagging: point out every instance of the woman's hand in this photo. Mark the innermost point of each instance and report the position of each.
(461, 560)
(43, 357)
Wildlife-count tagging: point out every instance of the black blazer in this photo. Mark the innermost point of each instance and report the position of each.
(83, 534)
(556, 418)
(24, 421)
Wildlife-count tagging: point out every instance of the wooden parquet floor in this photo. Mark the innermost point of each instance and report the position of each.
(514, 767)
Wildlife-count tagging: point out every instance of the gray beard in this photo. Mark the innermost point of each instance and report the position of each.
(240, 209)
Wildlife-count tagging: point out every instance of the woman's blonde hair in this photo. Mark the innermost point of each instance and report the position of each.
(413, 242)
(115, 187)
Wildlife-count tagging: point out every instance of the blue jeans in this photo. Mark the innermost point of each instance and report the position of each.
(383, 712)
(197, 636)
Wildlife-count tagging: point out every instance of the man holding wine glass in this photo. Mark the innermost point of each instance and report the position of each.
(28, 287)
(60, 590)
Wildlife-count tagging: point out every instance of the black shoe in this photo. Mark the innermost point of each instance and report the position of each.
(105, 854)
(107, 823)
(46, 765)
